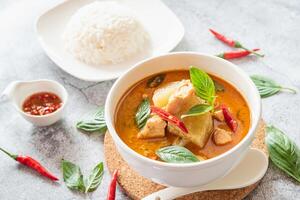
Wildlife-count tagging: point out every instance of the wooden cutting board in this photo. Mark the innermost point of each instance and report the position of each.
(137, 187)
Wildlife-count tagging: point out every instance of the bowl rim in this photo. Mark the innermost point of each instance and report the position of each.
(209, 162)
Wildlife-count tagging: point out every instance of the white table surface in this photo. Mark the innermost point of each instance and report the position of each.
(271, 25)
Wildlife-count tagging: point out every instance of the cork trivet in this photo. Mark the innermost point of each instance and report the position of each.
(137, 187)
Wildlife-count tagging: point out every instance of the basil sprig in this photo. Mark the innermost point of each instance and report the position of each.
(203, 84)
(205, 89)
(93, 122)
(74, 179)
(143, 113)
(284, 153)
(267, 87)
(197, 110)
(176, 154)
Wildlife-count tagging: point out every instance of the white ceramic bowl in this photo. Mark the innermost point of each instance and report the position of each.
(190, 174)
(18, 91)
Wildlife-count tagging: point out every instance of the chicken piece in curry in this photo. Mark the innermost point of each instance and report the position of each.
(182, 116)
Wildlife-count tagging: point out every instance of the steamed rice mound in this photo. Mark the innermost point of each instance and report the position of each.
(104, 33)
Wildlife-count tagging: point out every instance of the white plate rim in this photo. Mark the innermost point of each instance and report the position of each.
(53, 56)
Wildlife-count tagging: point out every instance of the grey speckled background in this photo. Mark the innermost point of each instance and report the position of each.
(270, 25)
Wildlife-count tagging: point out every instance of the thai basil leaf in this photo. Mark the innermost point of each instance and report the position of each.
(72, 176)
(197, 110)
(95, 178)
(156, 80)
(143, 113)
(74, 179)
(93, 122)
(267, 87)
(176, 154)
(218, 86)
(284, 153)
(203, 85)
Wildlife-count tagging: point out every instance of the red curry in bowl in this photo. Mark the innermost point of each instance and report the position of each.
(182, 113)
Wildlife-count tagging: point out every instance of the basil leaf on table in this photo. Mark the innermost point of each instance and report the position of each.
(203, 84)
(72, 176)
(95, 178)
(143, 113)
(197, 110)
(284, 153)
(176, 154)
(267, 87)
(94, 122)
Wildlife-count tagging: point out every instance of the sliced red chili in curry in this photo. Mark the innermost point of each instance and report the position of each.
(230, 121)
(169, 117)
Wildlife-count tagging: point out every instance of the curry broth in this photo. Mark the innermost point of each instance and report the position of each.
(127, 129)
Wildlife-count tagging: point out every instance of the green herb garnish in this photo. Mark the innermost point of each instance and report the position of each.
(143, 113)
(205, 89)
(267, 87)
(72, 176)
(93, 181)
(284, 153)
(197, 110)
(156, 80)
(218, 86)
(93, 122)
(176, 154)
(203, 84)
(74, 179)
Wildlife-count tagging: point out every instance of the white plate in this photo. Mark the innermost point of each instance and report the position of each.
(165, 30)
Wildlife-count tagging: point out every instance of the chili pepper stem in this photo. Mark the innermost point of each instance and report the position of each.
(253, 52)
(221, 55)
(289, 89)
(13, 156)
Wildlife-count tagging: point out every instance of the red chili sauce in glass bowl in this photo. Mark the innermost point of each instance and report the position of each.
(42, 103)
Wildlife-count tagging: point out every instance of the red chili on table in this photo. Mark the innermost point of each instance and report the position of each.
(230, 121)
(31, 163)
(231, 42)
(42, 103)
(235, 54)
(112, 187)
(169, 117)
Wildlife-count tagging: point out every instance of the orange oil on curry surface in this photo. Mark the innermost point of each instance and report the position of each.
(127, 129)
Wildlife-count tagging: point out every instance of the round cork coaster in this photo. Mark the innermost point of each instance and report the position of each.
(137, 187)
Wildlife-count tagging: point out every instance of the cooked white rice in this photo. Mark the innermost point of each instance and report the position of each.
(104, 33)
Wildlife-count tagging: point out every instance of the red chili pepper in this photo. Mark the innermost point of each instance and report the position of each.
(235, 54)
(231, 42)
(31, 163)
(170, 118)
(232, 123)
(112, 187)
